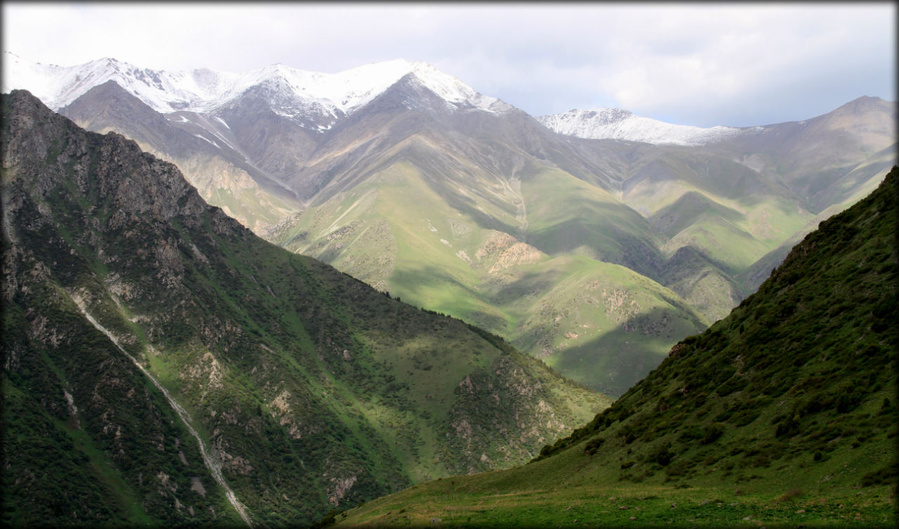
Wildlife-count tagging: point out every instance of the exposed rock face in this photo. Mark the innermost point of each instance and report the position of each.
(312, 390)
(203, 147)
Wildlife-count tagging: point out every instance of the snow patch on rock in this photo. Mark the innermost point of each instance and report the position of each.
(618, 124)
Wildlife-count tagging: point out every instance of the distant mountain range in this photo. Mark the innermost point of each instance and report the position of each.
(302, 95)
(293, 93)
(593, 240)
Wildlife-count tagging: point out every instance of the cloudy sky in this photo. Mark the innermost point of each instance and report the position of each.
(694, 64)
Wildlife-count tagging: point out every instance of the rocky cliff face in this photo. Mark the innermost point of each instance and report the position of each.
(86, 439)
(307, 389)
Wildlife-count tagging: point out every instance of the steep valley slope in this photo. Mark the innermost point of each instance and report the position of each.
(307, 389)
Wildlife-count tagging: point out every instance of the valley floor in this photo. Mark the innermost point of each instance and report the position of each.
(631, 505)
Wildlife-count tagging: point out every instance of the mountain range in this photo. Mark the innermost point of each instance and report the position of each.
(162, 365)
(593, 240)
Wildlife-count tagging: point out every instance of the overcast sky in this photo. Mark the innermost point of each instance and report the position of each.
(693, 64)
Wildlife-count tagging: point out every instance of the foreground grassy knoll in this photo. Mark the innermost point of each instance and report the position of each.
(624, 505)
(782, 414)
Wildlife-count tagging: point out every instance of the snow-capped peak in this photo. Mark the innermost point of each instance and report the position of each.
(205, 90)
(618, 124)
(451, 89)
(351, 89)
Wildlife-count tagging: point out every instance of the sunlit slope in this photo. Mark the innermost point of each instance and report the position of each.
(566, 215)
(599, 323)
(726, 213)
(783, 413)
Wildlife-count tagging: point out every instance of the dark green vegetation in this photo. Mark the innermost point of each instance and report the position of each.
(310, 389)
(595, 256)
(782, 414)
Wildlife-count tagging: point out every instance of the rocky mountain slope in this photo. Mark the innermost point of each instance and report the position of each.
(595, 255)
(782, 414)
(164, 365)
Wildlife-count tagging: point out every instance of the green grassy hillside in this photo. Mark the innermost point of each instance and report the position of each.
(551, 290)
(782, 414)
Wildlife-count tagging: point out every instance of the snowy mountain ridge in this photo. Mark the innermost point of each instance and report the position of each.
(618, 124)
(205, 90)
(318, 100)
